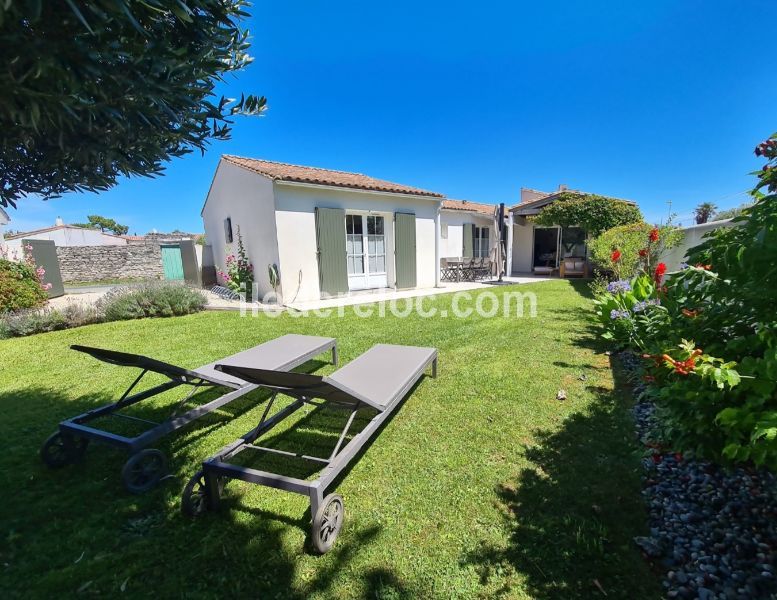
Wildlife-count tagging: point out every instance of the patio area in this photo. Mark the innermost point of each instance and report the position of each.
(387, 295)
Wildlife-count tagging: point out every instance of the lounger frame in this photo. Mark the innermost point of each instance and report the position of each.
(77, 426)
(218, 466)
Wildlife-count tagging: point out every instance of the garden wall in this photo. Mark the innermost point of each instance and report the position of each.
(92, 263)
(692, 236)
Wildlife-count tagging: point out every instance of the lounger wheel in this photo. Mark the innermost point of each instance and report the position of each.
(57, 454)
(143, 470)
(195, 500)
(327, 523)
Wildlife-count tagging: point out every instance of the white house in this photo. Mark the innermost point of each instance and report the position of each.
(467, 229)
(65, 235)
(4, 220)
(539, 249)
(329, 232)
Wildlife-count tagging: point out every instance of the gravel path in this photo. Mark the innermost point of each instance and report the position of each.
(713, 532)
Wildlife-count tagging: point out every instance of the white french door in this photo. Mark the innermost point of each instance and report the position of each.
(365, 246)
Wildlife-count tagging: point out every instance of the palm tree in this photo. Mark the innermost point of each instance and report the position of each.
(704, 211)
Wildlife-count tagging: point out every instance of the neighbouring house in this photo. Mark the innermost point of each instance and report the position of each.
(467, 229)
(64, 236)
(4, 220)
(545, 250)
(329, 232)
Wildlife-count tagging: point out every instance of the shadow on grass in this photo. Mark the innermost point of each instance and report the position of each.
(76, 529)
(573, 513)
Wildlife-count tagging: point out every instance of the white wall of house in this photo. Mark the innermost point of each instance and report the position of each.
(68, 236)
(4, 220)
(452, 231)
(247, 199)
(296, 226)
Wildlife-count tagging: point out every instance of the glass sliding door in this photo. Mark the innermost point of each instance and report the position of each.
(366, 251)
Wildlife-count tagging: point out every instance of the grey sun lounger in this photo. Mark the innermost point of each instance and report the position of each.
(378, 380)
(146, 466)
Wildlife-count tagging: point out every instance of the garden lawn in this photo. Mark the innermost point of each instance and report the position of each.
(483, 483)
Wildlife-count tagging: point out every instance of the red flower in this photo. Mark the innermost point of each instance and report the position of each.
(660, 270)
(615, 256)
(653, 235)
(643, 253)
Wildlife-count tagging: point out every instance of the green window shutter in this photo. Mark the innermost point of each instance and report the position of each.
(330, 239)
(469, 236)
(404, 234)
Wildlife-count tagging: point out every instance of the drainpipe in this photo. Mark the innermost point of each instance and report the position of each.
(437, 233)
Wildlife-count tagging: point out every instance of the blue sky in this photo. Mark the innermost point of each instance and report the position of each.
(653, 101)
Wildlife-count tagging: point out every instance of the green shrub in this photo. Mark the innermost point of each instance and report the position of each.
(20, 287)
(28, 322)
(151, 300)
(594, 214)
(629, 240)
(712, 344)
(31, 321)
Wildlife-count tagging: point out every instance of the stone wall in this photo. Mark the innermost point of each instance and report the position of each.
(93, 263)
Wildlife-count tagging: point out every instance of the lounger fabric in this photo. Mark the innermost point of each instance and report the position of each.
(380, 374)
(279, 354)
(282, 353)
(375, 378)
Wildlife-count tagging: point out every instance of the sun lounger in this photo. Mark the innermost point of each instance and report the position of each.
(146, 465)
(378, 380)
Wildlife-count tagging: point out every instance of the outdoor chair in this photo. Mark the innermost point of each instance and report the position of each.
(573, 266)
(146, 466)
(448, 272)
(469, 271)
(374, 384)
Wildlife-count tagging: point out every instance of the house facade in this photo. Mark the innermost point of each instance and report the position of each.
(328, 232)
(540, 249)
(467, 229)
(332, 233)
(64, 236)
(4, 220)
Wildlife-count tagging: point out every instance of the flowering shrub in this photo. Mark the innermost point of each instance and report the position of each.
(239, 274)
(21, 284)
(718, 393)
(151, 300)
(626, 250)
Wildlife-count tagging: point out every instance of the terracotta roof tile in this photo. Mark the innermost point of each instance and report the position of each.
(285, 172)
(467, 206)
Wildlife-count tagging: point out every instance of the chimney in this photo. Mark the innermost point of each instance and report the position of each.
(562, 187)
(59, 222)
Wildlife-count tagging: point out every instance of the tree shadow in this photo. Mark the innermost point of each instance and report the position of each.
(573, 512)
(75, 530)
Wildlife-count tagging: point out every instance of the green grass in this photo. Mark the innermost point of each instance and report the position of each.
(482, 485)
